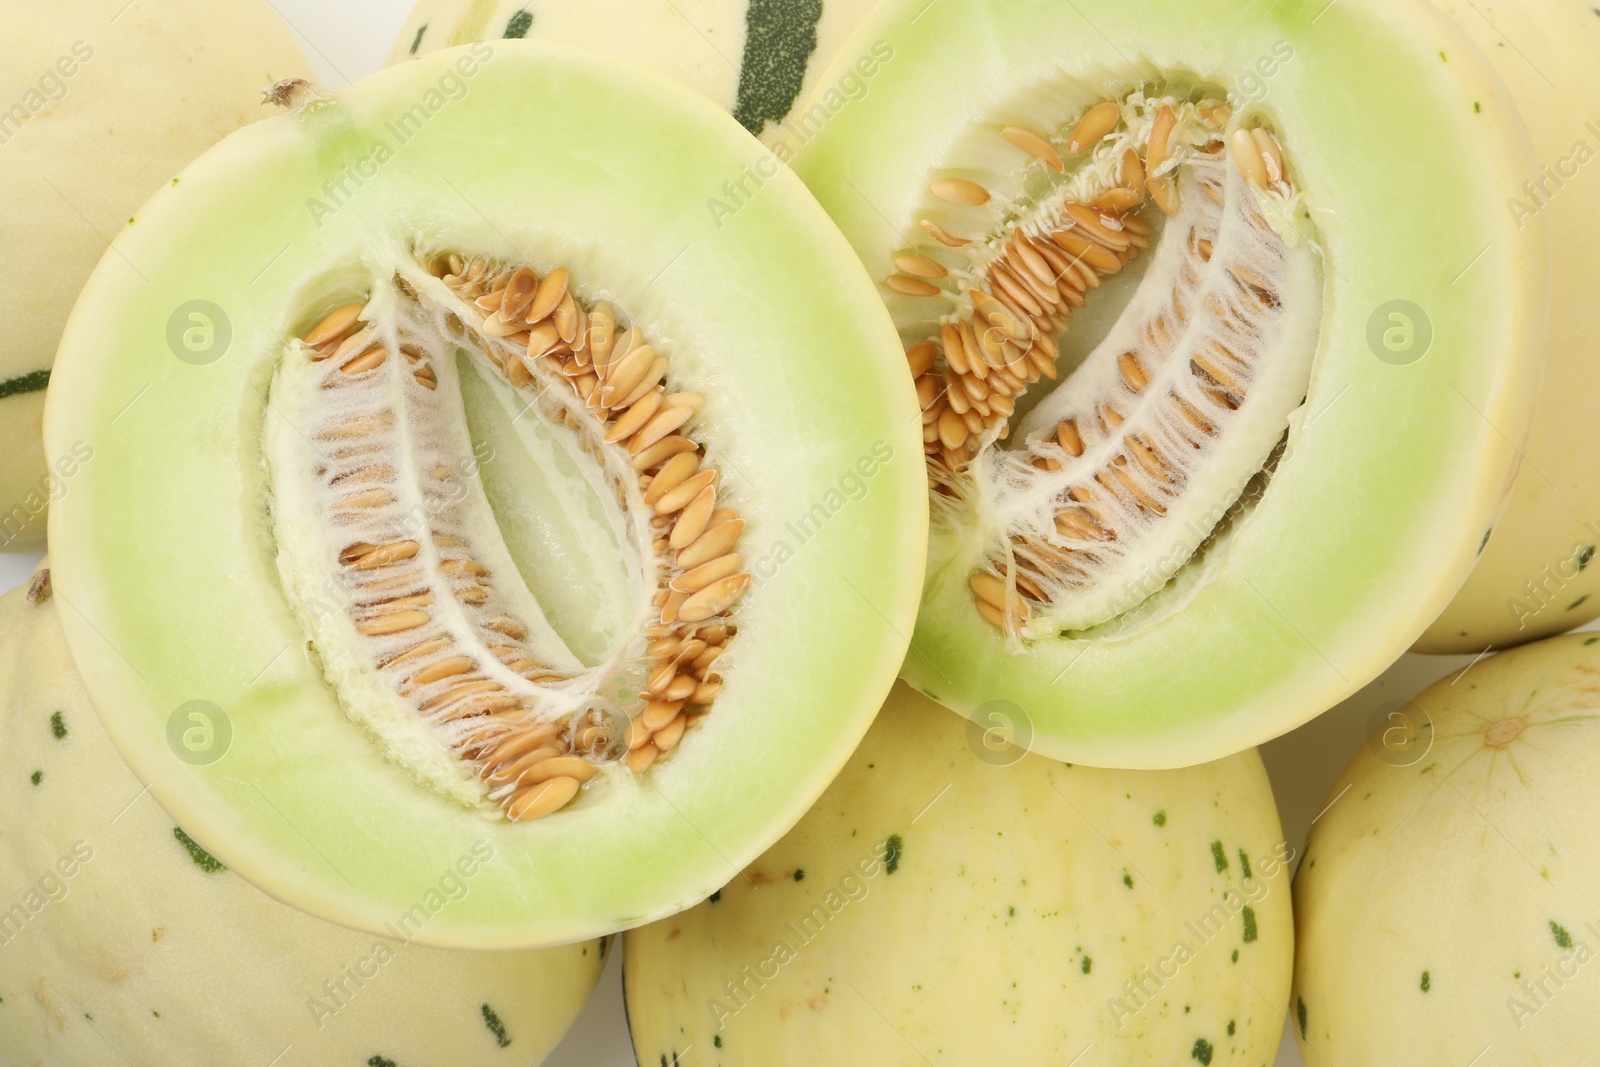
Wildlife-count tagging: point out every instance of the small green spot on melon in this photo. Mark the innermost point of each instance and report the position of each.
(1201, 1050)
(891, 853)
(36, 777)
(1427, 983)
(716, 1040)
(496, 1027)
(1585, 556)
(1244, 865)
(58, 726)
(780, 36)
(1127, 879)
(1219, 856)
(27, 383)
(416, 42)
(1235, 956)
(1230, 1027)
(202, 859)
(1088, 964)
(1249, 917)
(1300, 1012)
(1160, 818)
(519, 25)
(1559, 932)
(799, 874)
(381, 1061)
(1575, 603)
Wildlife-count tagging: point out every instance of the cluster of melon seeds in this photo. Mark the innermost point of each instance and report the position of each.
(429, 633)
(1123, 470)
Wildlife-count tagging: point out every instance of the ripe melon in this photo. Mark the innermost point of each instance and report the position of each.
(1218, 408)
(1534, 577)
(101, 101)
(1445, 905)
(951, 900)
(454, 486)
(754, 58)
(123, 941)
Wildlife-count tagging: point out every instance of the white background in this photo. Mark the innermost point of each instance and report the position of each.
(349, 38)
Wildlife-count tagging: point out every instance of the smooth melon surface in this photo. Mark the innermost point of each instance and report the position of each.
(122, 941)
(100, 103)
(1534, 578)
(1392, 472)
(754, 58)
(1445, 904)
(950, 900)
(163, 552)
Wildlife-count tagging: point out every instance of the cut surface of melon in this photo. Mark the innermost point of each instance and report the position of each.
(520, 503)
(128, 942)
(1210, 400)
(951, 900)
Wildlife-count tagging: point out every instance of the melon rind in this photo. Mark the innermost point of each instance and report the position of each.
(755, 59)
(120, 947)
(100, 103)
(1393, 474)
(1535, 577)
(1028, 904)
(163, 558)
(1470, 862)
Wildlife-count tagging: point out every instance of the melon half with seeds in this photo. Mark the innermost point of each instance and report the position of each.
(1221, 393)
(101, 101)
(756, 59)
(1446, 901)
(124, 941)
(951, 900)
(482, 487)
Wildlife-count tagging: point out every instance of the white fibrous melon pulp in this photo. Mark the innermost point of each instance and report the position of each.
(101, 103)
(123, 941)
(1445, 903)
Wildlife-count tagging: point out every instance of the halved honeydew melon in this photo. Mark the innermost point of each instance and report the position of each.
(377, 335)
(756, 59)
(1534, 577)
(1445, 903)
(100, 103)
(950, 900)
(126, 942)
(1293, 400)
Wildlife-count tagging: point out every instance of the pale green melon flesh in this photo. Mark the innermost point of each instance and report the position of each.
(1535, 577)
(165, 562)
(1391, 474)
(124, 944)
(756, 59)
(951, 901)
(103, 102)
(1445, 903)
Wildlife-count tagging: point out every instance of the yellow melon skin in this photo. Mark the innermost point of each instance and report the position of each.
(1446, 910)
(756, 59)
(950, 902)
(101, 101)
(119, 946)
(1535, 576)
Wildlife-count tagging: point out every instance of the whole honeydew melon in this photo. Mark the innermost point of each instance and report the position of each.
(101, 101)
(1225, 340)
(1445, 908)
(755, 58)
(950, 900)
(1534, 577)
(453, 486)
(122, 941)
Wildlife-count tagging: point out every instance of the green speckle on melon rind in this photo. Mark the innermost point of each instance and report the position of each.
(27, 383)
(1249, 917)
(496, 1027)
(891, 853)
(780, 36)
(519, 25)
(202, 859)
(1219, 856)
(1202, 1050)
(58, 726)
(1559, 932)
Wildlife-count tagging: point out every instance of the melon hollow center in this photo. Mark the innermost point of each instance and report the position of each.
(1173, 237)
(500, 532)
(1502, 732)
